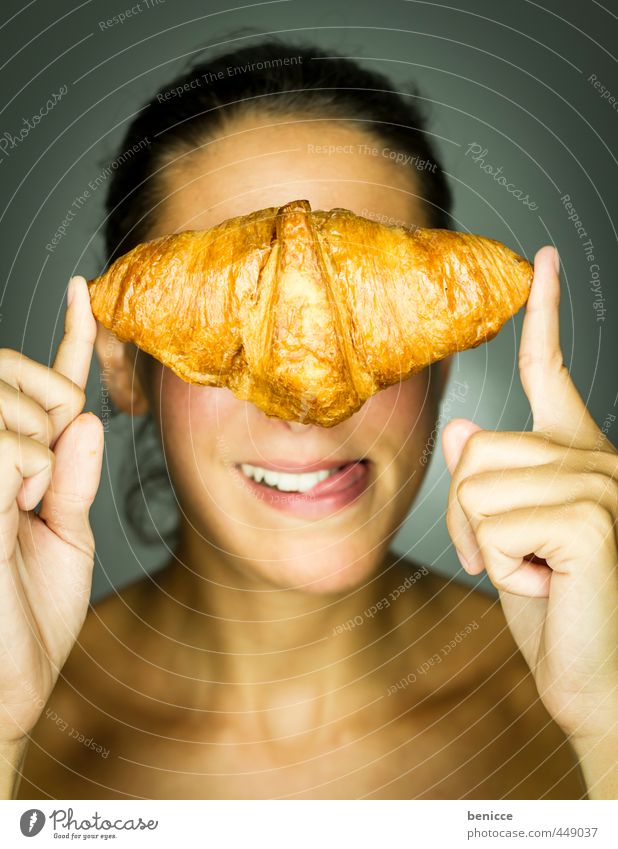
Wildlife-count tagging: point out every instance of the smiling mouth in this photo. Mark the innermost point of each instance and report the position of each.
(319, 482)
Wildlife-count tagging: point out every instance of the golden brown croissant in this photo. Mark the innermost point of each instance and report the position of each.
(307, 314)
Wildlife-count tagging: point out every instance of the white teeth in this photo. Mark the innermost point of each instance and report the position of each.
(285, 481)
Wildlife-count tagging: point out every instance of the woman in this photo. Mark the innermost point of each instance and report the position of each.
(287, 652)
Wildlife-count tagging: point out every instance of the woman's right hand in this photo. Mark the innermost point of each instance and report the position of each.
(49, 453)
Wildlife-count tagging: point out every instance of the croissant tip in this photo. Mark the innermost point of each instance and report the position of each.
(294, 206)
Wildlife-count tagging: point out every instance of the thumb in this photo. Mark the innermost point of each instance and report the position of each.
(75, 480)
(454, 437)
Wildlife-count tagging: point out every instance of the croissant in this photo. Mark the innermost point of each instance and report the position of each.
(308, 313)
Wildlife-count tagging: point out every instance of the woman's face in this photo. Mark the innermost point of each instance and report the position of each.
(315, 543)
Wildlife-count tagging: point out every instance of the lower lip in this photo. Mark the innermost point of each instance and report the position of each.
(326, 498)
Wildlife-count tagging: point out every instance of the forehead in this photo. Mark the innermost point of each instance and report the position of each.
(257, 162)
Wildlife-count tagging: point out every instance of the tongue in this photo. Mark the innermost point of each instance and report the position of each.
(342, 479)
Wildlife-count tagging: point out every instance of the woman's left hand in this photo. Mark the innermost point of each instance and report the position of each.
(551, 493)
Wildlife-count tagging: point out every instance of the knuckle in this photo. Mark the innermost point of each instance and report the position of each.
(544, 441)
(466, 489)
(477, 439)
(531, 359)
(525, 360)
(474, 445)
(12, 448)
(22, 415)
(528, 360)
(590, 482)
(40, 428)
(87, 543)
(604, 488)
(611, 489)
(47, 430)
(46, 461)
(484, 533)
(79, 397)
(556, 364)
(7, 356)
(70, 396)
(502, 582)
(454, 508)
(595, 516)
(7, 447)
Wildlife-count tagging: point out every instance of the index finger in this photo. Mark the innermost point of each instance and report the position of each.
(74, 353)
(557, 407)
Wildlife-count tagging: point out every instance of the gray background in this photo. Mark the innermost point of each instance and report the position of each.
(510, 77)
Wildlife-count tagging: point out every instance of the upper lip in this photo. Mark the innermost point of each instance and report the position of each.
(291, 467)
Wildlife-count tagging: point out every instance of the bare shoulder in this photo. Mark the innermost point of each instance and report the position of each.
(518, 750)
(75, 733)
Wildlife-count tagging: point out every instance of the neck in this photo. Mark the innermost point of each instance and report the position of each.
(267, 647)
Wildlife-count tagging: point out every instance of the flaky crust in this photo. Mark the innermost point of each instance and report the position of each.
(307, 314)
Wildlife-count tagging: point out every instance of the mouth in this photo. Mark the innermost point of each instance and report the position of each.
(326, 488)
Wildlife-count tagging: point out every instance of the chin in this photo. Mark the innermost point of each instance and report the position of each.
(329, 566)
(330, 573)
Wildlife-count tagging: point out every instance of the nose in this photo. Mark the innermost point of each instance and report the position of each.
(297, 427)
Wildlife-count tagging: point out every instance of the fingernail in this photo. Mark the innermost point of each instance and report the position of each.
(474, 565)
(70, 292)
(557, 260)
(463, 560)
